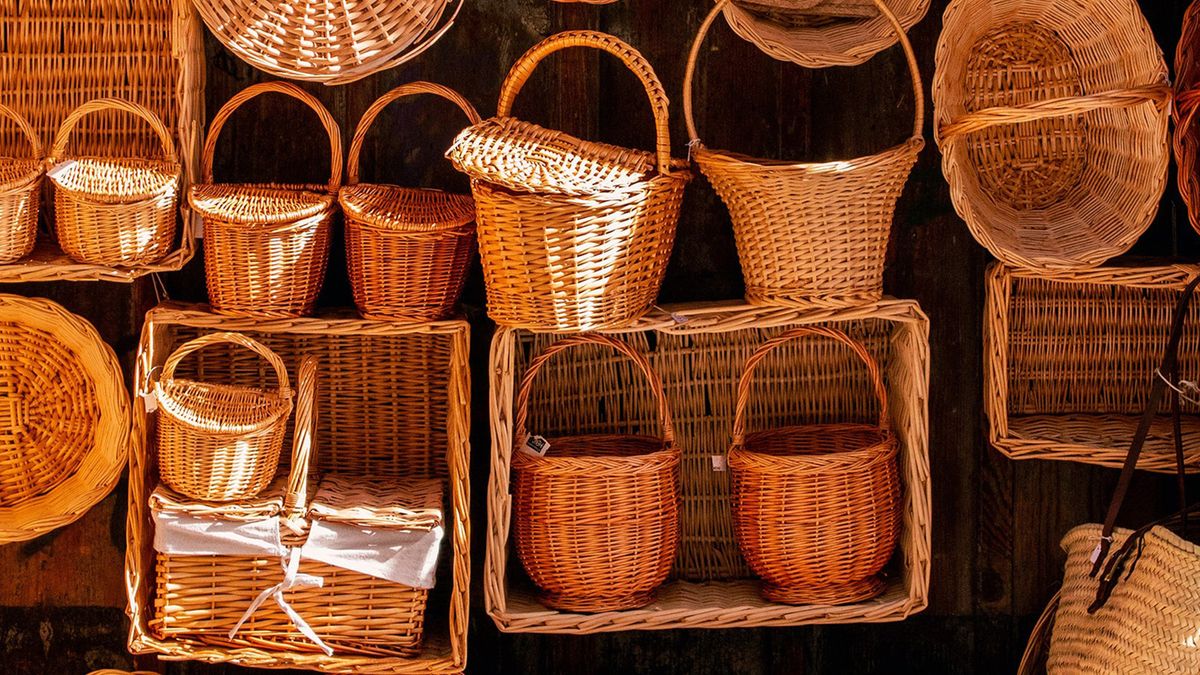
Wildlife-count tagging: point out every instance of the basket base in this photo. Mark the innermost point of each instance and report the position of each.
(593, 604)
(834, 594)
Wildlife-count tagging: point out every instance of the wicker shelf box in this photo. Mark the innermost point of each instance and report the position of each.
(698, 351)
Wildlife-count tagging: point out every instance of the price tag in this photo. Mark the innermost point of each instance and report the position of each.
(720, 463)
(535, 445)
(150, 400)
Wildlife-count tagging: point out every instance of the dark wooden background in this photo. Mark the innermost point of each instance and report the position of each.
(997, 522)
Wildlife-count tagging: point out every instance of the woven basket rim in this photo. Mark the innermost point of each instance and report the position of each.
(454, 211)
(278, 407)
(227, 202)
(705, 155)
(666, 457)
(881, 451)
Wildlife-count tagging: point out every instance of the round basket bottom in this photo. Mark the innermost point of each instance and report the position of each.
(593, 604)
(829, 594)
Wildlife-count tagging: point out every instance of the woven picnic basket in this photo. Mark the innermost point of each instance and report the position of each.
(820, 33)
(323, 41)
(816, 508)
(1186, 139)
(408, 249)
(810, 234)
(20, 193)
(1052, 120)
(266, 246)
(597, 516)
(219, 442)
(573, 235)
(116, 211)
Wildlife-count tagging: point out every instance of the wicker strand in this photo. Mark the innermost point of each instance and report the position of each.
(1186, 139)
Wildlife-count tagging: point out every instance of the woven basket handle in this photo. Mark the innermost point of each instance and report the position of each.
(1158, 94)
(63, 138)
(238, 339)
(632, 58)
(289, 89)
(35, 143)
(303, 440)
(410, 89)
(639, 359)
(743, 396)
(913, 69)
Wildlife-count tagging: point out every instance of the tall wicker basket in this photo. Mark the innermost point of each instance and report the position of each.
(597, 516)
(810, 234)
(266, 246)
(1186, 139)
(573, 235)
(20, 193)
(115, 211)
(408, 249)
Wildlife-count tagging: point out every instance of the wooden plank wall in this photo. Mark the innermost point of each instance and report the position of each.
(997, 522)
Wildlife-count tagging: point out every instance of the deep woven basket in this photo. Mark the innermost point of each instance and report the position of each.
(115, 211)
(810, 234)
(1186, 138)
(573, 235)
(219, 442)
(20, 193)
(266, 246)
(816, 508)
(408, 249)
(597, 517)
(1052, 120)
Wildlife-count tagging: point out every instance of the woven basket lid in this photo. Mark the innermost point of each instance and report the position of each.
(390, 207)
(221, 408)
(409, 504)
(18, 173)
(115, 181)
(266, 504)
(64, 417)
(259, 204)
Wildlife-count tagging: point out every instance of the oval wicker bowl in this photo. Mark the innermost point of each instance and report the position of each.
(20, 193)
(1052, 119)
(1187, 104)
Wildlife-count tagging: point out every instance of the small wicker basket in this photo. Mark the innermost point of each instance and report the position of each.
(20, 193)
(115, 211)
(597, 517)
(816, 508)
(810, 234)
(266, 246)
(573, 235)
(408, 249)
(220, 442)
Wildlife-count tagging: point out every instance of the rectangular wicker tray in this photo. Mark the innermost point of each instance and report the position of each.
(698, 352)
(393, 400)
(1069, 359)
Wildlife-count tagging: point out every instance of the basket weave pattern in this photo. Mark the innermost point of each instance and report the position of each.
(1186, 138)
(20, 192)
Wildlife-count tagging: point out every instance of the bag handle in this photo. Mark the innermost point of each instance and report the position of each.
(410, 89)
(35, 143)
(63, 138)
(639, 359)
(909, 55)
(303, 441)
(632, 58)
(743, 395)
(238, 339)
(289, 89)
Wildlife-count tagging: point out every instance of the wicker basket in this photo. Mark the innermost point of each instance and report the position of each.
(810, 234)
(266, 246)
(220, 442)
(1052, 120)
(816, 508)
(20, 193)
(408, 249)
(597, 516)
(329, 42)
(820, 33)
(1186, 138)
(1033, 660)
(573, 235)
(118, 211)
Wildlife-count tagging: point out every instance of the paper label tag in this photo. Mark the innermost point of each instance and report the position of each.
(1095, 554)
(535, 445)
(58, 169)
(150, 400)
(720, 463)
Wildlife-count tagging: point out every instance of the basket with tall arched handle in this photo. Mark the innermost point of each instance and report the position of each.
(20, 193)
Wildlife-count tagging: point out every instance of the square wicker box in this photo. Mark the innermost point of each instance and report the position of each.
(393, 401)
(1069, 359)
(698, 352)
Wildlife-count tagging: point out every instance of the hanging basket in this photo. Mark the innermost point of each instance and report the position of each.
(573, 235)
(816, 508)
(115, 211)
(1187, 102)
(220, 442)
(810, 234)
(408, 249)
(597, 516)
(1052, 120)
(20, 194)
(266, 246)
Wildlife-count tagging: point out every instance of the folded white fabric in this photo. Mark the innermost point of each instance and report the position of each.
(406, 557)
(181, 534)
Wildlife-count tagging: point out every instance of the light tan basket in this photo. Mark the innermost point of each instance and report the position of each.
(118, 211)
(219, 442)
(1186, 139)
(408, 249)
(20, 193)
(266, 246)
(573, 235)
(810, 234)
(1052, 120)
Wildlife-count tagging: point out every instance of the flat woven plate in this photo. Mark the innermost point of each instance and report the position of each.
(64, 417)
